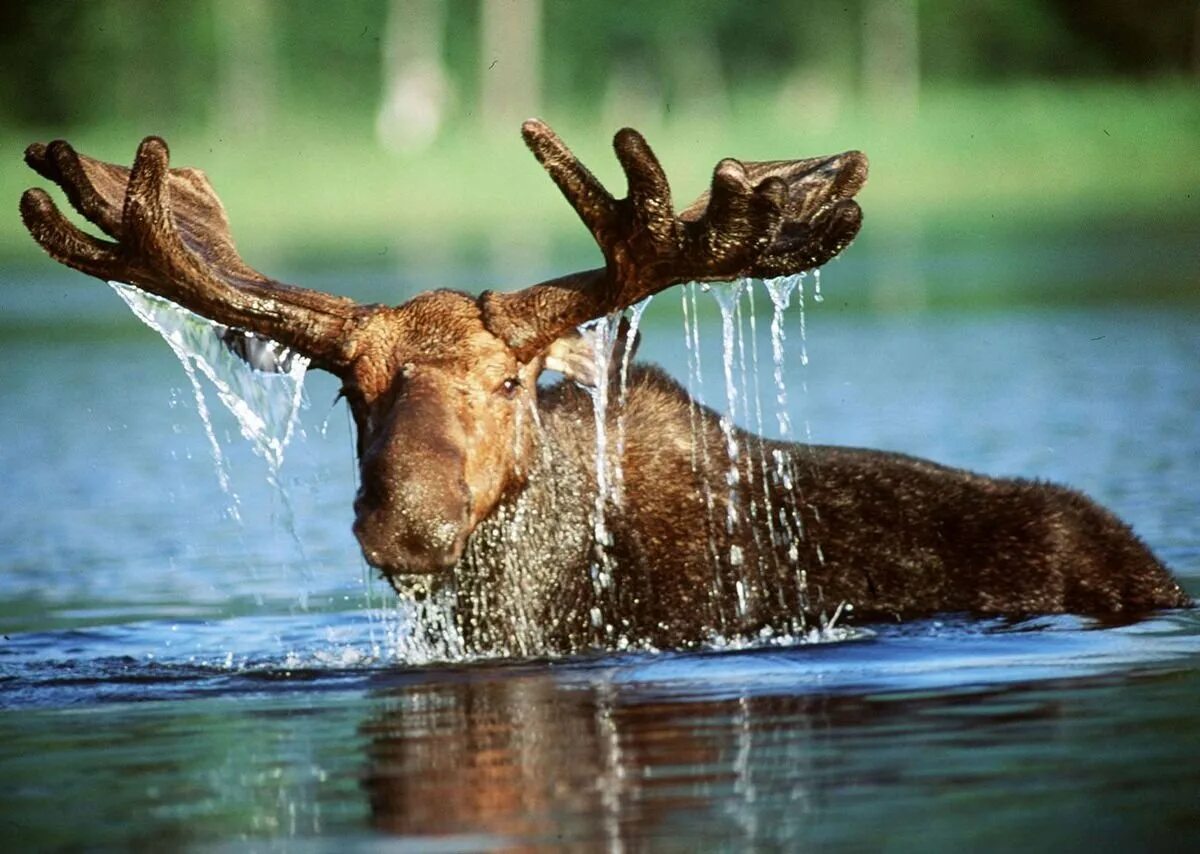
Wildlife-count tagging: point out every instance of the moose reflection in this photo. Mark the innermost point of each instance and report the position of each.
(481, 481)
(525, 760)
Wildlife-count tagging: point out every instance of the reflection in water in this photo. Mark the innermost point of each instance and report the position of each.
(589, 755)
(534, 761)
(531, 760)
(491, 757)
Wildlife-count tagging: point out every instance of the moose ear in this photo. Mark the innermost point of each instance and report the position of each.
(576, 355)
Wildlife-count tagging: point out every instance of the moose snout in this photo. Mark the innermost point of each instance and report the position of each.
(411, 524)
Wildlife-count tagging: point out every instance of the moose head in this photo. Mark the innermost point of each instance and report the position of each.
(443, 388)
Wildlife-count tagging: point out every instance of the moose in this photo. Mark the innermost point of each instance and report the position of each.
(479, 481)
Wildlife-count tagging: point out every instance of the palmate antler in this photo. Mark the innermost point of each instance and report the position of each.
(759, 219)
(172, 239)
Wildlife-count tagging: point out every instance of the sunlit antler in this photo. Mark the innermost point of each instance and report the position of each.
(172, 239)
(758, 219)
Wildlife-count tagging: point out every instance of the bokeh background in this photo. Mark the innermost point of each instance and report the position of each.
(1023, 151)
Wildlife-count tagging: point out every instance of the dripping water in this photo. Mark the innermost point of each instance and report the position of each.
(602, 333)
(752, 401)
(631, 334)
(767, 510)
(790, 522)
(727, 298)
(776, 522)
(694, 380)
(248, 373)
(780, 291)
(700, 452)
(804, 344)
(259, 381)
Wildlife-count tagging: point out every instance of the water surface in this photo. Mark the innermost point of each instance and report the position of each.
(172, 676)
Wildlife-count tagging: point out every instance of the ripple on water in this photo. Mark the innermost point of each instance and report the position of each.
(167, 660)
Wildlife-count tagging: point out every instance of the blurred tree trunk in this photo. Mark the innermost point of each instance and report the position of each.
(416, 91)
(510, 62)
(892, 56)
(633, 95)
(247, 82)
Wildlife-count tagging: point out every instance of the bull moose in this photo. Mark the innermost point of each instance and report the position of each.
(481, 481)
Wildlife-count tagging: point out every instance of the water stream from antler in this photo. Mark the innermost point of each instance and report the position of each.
(259, 381)
(751, 503)
(631, 342)
(728, 299)
(261, 384)
(603, 333)
(701, 458)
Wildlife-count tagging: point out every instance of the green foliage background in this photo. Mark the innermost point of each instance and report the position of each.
(1033, 120)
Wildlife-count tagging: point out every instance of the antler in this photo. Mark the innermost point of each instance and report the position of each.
(172, 239)
(759, 219)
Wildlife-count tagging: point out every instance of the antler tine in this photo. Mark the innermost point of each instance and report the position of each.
(740, 219)
(63, 241)
(145, 216)
(649, 191)
(94, 188)
(594, 204)
(821, 218)
(758, 219)
(173, 240)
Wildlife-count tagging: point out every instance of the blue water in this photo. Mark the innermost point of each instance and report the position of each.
(171, 676)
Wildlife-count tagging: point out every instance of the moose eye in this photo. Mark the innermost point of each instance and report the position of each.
(510, 387)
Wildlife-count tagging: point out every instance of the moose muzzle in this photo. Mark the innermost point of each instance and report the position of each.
(413, 507)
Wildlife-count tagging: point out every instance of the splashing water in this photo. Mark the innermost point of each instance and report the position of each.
(261, 384)
(259, 381)
(699, 451)
(780, 291)
(422, 627)
(602, 332)
(635, 320)
(727, 298)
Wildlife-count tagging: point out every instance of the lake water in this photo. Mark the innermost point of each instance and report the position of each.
(172, 676)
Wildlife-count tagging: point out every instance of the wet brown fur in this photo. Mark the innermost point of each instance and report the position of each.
(890, 536)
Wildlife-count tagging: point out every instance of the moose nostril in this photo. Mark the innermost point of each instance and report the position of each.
(361, 501)
(407, 535)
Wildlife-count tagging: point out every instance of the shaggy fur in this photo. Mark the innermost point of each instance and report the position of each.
(882, 535)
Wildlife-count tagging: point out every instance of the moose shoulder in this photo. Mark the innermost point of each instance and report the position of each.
(484, 483)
